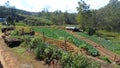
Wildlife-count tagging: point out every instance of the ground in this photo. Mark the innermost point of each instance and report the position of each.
(10, 58)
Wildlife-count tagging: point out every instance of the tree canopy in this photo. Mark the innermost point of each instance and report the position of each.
(107, 17)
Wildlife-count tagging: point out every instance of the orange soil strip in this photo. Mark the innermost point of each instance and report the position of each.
(6, 57)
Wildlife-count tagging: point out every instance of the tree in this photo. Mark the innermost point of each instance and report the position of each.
(7, 4)
(109, 16)
(84, 14)
(113, 1)
(11, 10)
(10, 20)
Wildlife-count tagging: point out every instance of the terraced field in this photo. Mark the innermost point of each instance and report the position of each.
(63, 35)
(112, 46)
(112, 56)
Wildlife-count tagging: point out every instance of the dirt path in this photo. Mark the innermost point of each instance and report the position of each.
(6, 57)
(9, 59)
(112, 56)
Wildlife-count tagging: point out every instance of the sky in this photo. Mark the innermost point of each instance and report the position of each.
(52, 5)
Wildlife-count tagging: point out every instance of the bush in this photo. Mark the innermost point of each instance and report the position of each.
(91, 31)
(48, 53)
(90, 49)
(15, 33)
(69, 60)
(105, 58)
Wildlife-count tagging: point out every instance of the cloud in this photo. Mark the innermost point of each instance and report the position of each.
(96, 4)
(52, 5)
(2, 2)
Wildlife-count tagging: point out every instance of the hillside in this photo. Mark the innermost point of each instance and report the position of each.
(57, 17)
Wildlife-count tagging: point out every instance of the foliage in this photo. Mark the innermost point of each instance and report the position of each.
(91, 31)
(76, 61)
(92, 51)
(38, 18)
(15, 33)
(84, 15)
(35, 21)
(58, 17)
(10, 20)
(105, 58)
(48, 53)
(25, 29)
(57, 34)
(20, 24)
(106, 18)
(109, 16)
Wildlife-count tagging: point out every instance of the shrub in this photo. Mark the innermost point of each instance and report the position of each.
(15, 33)
(105, 58)
(69, 60)
(91, 31)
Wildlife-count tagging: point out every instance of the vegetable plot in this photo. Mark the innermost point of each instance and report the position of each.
(105, 43)
(49, 53)
(62, 35)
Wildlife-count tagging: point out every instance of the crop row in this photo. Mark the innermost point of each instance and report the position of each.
(61, 35)
(49, 53)
(105, 43)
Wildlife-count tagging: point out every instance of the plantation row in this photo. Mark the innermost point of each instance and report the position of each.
(105, 43)
(63, 35)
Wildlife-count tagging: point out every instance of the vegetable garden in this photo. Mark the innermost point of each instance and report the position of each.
(63, 35)
(49, 53)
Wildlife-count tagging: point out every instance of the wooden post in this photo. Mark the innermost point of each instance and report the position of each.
(22, 31)
(30, 30)
(43, 37)
(65, 44)
(114, 57)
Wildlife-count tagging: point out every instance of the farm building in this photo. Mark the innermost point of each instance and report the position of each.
(73, 28)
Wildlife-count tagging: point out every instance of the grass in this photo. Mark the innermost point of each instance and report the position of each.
(20, 24)
(19, 50)
(26, 28)
(113, 36)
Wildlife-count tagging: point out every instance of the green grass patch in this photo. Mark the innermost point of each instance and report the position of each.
(20, 24)
(113, 36)
(19, 50)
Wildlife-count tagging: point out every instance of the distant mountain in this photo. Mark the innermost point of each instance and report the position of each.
(9, 11)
